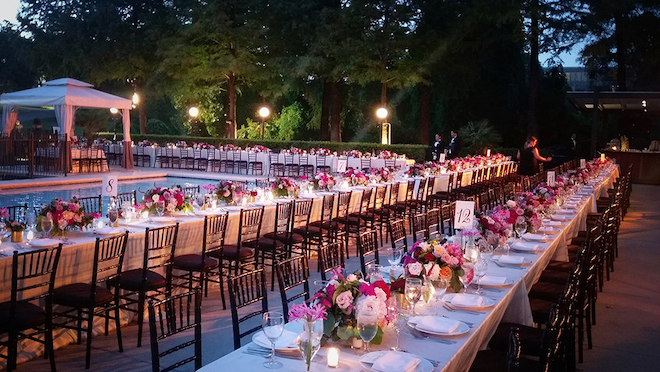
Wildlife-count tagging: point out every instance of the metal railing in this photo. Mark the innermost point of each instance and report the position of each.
(30, 157)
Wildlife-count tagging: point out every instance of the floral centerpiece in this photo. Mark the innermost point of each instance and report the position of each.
(379, 175)
(343, 297)
(175, 199)
(181, 144)
(416, 170)
(356, 177)
(323, 181)
(144, 143)
(284, 186)
(385, 154)
(4, 214)
(353, 153)
(229, 191)
(258, 148)
(230, 147)
(66, 215)
(320, 151)
(433, 260)
(295, 151)
(202, 146)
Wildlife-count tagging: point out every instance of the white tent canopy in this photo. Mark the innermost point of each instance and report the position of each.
(65, 96)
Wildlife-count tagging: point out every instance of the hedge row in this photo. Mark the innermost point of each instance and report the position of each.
(417, 152)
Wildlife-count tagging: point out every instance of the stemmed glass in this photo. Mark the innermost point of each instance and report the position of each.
(480, 270)
(46, 224)
(440, 290)
(272, 324)
(374, 271)
(367, 325)
(394, 255)
(413, 291)
(113, 215)
(468, 275)
(521, 228)
(127, 212)
(160, 207)
(393, 317)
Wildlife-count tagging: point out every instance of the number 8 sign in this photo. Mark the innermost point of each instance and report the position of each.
(109, 186)
(464, 215)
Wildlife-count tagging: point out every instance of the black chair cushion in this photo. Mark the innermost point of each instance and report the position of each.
(560, 266)
(531, 339)
(496, 361)
(554, 276)
(231, 252)
(132, 280)
(28, 316)
(77, 295)
(540, 310)
(293, 238)
(193, 262)
(317, 231)
(547, 291)
(266, 244)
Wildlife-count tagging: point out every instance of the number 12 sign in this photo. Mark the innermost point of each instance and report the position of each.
(464, 214)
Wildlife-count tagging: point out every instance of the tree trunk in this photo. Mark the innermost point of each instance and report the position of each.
(231, 107)
(620, 52)
(424, 113)
(383, 94)
(534, 71)
(326, 102)
(142, 112)
(335, 113)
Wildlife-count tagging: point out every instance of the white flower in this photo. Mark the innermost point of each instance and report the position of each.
(155, 197)
(432, 271)
(415, 268)
(380, 294)
(511, 204)
(351, 278)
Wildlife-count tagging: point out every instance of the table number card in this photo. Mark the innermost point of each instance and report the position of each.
(551, 179)
(583, 163)
(109, 186)
(442, 158)
(464, 214)
(341, 165)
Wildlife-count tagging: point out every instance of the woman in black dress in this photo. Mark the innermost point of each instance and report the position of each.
(529, 158)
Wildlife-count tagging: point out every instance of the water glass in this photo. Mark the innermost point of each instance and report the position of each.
(393, 319)
(468, 275)
(413, 291)
(480, 270)
(128, 211)
(46, 224)
(272, 324)
(367, 325)
(440, 290)
(113, 215)
(394, 255)
(374, 272)
(521, 228)
(160, 207)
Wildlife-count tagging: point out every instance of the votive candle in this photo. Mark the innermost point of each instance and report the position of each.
(333, 357)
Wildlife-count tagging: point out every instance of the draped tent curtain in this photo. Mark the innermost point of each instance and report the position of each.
(128, 148)
(9, 118)
(65, 115)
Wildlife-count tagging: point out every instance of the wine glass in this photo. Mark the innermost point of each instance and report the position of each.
(413, 291)
(374, 272)
(127, 212)
(440, 290)
(468, 275)
(272, 324)
(521, 228)
(394, 255)
(393, 318)
(30, 218)
(367, 324)
(160, 207)
(113, 215)
(480, 270)
(46, 224)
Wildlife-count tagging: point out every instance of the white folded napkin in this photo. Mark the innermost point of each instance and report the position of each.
(567, 211)
(547, 230)
(436, 324)
(286, 340)
(395, 362)
(44, 243)
(511, 259)
(467, 300)
(492, 280)
(539, 237)
(525, 246)
(561, 217)
(552, 223)
(108, 230)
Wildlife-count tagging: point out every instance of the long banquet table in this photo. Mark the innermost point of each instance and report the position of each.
(511, 304)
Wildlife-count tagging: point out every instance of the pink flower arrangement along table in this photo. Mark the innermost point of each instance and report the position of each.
(433, 260)
(355, 177)
(342, 297)
(173, 198)
(322, 181)
(65, 216)
(380, 175)
(229, 192)
(285, 187)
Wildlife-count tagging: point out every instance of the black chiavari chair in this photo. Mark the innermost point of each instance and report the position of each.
(244, 290)
(292, 276)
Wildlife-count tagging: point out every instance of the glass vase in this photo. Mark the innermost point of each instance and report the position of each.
(309, 341)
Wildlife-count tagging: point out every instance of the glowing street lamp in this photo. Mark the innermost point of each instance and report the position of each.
(264, 112)
(193, 112)
(385, 127)
(135, 99)
(114, 111)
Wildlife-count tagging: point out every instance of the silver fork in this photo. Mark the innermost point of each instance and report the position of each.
(508, 266)
(470, 324)
(420, 336)
(452, 309)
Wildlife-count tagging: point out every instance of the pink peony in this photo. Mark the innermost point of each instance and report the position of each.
(344, 300)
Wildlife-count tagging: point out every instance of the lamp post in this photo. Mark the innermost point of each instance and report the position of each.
(385, 127)
(193, 112)
(114, 111)
(264, 112)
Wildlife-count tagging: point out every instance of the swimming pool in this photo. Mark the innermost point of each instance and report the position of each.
(35, 197)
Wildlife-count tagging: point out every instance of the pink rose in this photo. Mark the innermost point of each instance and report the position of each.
(344, 300)
(414, 268)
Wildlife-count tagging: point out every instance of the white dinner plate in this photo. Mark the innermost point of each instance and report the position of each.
(507, 283)
(232, 208)
(367, 360)
(561, 217)
(207, 212)
(44, 243)
(264, 203)
(461, 330)
(537, 237)
(547, 230)
(486, 302)
(108, 231)
(163, 219)
(526, 247)
(286, 342)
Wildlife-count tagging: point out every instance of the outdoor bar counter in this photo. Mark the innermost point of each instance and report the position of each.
(646, 165)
